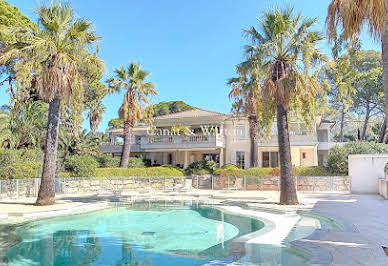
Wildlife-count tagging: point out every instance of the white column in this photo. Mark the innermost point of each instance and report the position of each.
(186, 159)
(221, 157)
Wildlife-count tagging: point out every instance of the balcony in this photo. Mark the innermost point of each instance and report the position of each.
(182, 142)
(107, 147)
(329, 145)
(150, 143)
(295, 139)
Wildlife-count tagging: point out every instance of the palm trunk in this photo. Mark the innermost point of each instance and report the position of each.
(366, 120)
(383, 130)
(287, 182)
(342, 124)
(253, 135)
(127, 145)
(384, 50)
(46, 194)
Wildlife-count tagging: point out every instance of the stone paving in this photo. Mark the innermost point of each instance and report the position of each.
(364, 217)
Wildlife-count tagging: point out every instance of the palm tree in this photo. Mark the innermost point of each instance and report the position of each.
(50, 62)
(96, 109)
(243, 93)
(136, 98)
(351, 16)
(285, 51)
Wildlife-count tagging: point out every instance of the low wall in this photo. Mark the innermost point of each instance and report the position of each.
(383, 188)
(271, 183)
(365, 170)
(29, 187)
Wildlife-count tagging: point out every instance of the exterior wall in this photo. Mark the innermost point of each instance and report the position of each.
(309, 159)
(365, 172)
(271, 183)
(296, 155)
(234, 144)
(325, 155)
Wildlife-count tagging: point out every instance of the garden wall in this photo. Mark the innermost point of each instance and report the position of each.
(271, 183)
(14, 188)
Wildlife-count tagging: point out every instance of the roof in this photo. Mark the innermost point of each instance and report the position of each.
(190, 113)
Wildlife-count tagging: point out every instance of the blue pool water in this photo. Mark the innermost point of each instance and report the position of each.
(140, 235)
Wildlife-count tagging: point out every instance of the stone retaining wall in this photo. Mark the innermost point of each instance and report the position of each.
(29, 187)
(271, 183)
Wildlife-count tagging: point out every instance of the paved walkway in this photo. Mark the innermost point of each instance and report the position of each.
(365, 217)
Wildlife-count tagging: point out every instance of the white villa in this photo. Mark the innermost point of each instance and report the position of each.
(184, 137)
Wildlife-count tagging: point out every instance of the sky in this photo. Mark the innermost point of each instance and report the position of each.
(191, 47)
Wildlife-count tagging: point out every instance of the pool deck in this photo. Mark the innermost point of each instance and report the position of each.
(364, 218)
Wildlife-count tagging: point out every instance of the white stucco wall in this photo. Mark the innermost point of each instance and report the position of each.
(365, 170)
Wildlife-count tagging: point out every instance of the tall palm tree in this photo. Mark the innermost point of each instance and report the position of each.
(285, 51)
(244, 90)
(96, 110)
(136, 98)
(352, 15)
(50, 62)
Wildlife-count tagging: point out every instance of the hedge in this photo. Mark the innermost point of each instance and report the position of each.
(22, 163)
(160, 171)
(338, 155)
(201, 168)
(107, 161)
(262, 172)
(81, 165)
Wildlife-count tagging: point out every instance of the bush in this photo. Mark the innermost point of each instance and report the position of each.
(201, 168)
(228, 170)
(160, 171)
(262, 172)
(338, 155)
(81, 165)
(135, 162)
(23, 163)
(107, 161)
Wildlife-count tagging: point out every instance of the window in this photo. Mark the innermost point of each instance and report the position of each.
(304, 155)
(240, 132)
(274, 159)
(265, 159)
(212, 157)
(321, 159)
(137, 139)
(240, 159)
(270, 159)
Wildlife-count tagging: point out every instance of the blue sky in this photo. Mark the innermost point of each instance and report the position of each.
(191, 47)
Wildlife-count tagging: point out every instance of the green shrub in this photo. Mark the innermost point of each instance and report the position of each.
(160, 171)
(258, 171)
(311, 171)
(228, 170)
(22, 163)
(338, 155)
(201, 168)
(107, 161)
(263, 172)
(81, 165)
(135, 162)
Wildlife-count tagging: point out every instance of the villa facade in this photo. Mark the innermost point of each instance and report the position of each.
(185, 137)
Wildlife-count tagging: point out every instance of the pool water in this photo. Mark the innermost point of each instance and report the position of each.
(144, 234)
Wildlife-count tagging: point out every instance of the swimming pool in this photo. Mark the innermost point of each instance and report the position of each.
(153, 234)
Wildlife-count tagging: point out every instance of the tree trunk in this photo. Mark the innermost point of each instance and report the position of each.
(383, 130)
(384, 50)
(342, 123)
(46, 194)
(287, 182)
(253, 136)
(366, 120)
(127, 145)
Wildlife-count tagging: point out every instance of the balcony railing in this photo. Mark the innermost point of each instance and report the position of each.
(182, 142)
